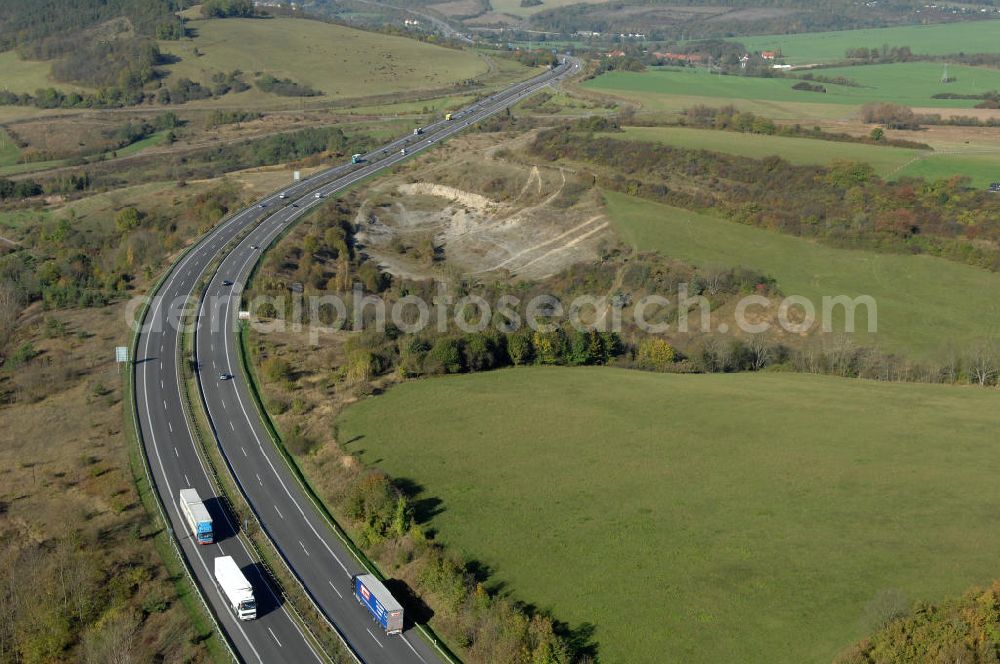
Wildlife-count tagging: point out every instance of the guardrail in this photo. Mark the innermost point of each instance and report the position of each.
(216, 478)
(161, 508)
(317, 179)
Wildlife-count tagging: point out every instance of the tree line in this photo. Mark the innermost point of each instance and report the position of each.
(844, 204)
(39, 28)
(285, 87)
(800, 16)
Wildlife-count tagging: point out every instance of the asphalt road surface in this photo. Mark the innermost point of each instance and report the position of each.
(299, 531)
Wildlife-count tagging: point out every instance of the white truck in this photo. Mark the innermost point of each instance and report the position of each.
(198, 519)
(236, 588)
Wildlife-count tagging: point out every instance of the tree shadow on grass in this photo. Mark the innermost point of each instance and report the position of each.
(424, 507)
(579, 638)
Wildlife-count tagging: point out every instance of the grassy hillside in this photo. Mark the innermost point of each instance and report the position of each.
(711, 518)
(885, 160)
(9, 152)
(910, 83)
(22, 76)
(940, 39)
(339, 61)
(926, 305)
(889, 162)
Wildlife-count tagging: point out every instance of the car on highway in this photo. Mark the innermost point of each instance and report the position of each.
(282, 195)
(262, 205)
(295, 204)
(227, 282)
(319, 194)
(224, 376)
(254, 247)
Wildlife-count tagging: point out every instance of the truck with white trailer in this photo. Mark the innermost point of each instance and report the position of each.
(383, 607)
(198, 519)
(235, 587)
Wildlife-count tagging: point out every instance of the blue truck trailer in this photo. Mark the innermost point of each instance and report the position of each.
(197, 517)
(385, 610)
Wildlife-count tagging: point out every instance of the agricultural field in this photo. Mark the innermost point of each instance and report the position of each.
(980, 163)
(927, 306)
(939, 39)
(514, 8)
(9, 152)
(341, 62)
(909, 83)
(700, 518)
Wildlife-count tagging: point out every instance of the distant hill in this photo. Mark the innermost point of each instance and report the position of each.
(29, 24)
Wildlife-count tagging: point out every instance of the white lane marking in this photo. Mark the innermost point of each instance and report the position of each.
(304, 547)
(259, 481)
(170, 491)
(335, 589)
(224, 403)
(187, 480)
(243, 450)
(364, 174)
(407, 642)
(169, 424)
(176, 453)
(374, 637)
(275, 638)
(280, 514)
(161, 383)
(161, 366)
(231, 425)
(267, 457)
(164, 404)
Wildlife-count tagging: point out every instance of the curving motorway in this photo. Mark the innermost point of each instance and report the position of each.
(309, 545)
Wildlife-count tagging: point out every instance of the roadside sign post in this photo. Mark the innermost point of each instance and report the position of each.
(121, 356)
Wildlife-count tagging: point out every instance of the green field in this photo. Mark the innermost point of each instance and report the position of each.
(926, 306)
(9, 152)
(700, 518)
(12, 167)
(514, 6)
(885, 160)
(342, 62)
(941, 39)
(910, 83)
(22, 76)
(981, 163)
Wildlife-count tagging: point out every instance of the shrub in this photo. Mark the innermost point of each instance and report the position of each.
(655, 354)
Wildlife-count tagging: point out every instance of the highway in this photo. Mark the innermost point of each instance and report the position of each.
(309, 545)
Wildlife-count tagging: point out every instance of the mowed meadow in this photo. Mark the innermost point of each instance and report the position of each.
(339, 61)
(700, 518)
(981, 163)
(908, 83)
(939, 39)
(927, 307)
